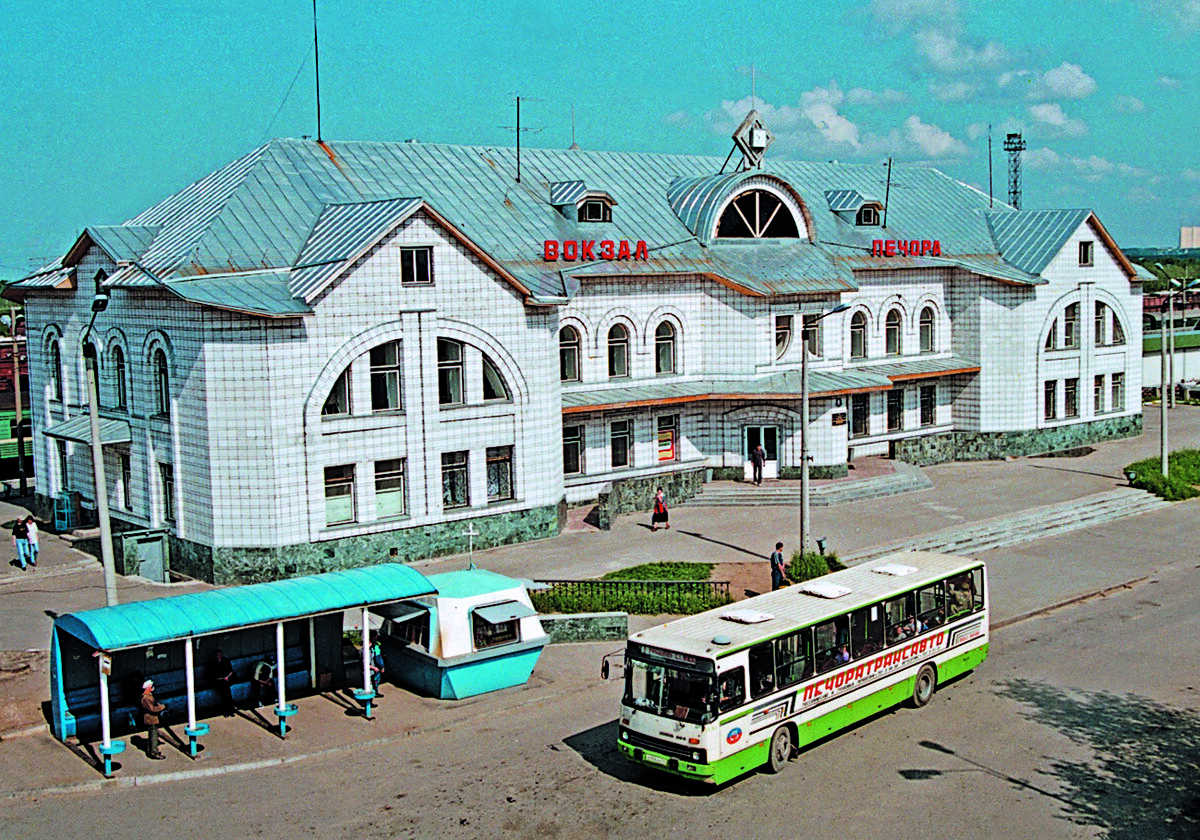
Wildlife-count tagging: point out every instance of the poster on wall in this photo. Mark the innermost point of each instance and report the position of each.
(666, 446)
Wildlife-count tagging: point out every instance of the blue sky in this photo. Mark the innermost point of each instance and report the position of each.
(111, 106)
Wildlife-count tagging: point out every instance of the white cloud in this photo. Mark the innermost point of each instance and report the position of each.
(820, 107)
(933, 141)
(1140, 195)
(1051, 114)
(947, 54)
(1190, 175)
(678, 118)
(898, 13)
(864, 96)
(952, 91)
(1068, 81)
(1090, 168)
(1129, 104)
(1168, 81)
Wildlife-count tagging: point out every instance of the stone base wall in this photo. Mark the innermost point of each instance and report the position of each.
(994, 446)
(586, 627)
(634, 494)
(816, 471)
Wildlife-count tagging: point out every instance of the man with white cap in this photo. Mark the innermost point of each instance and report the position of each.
(150, 711)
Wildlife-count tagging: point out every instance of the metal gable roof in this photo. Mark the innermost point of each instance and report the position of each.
(199, 613)
(266, 293)
(567, 192)
(79, 430)
(1030, 239)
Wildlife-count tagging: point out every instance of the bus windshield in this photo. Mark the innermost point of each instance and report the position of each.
(668, 691)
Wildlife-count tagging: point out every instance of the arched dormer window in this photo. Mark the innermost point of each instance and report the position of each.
(926, 324)
(664, 349)
(54, 359)
(568, 354)
(618, 352)
(891, 333)
(858, 336)
(757, 214)
(162, 382)
(338, 401)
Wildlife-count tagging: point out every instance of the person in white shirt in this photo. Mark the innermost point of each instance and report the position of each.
(31, 525)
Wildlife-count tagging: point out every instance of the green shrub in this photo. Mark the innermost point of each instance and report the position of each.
(656, 601)
(1184, 467)
(811, 565)
(663, 571)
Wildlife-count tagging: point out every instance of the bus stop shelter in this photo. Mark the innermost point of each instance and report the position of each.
(99, 658)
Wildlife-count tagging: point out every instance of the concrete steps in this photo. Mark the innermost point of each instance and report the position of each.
(903, 479)
(1025, 526)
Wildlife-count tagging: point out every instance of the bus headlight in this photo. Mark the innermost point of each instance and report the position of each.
(695, 756)
(624, 736)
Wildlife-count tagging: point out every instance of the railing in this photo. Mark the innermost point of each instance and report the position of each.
(643, 597)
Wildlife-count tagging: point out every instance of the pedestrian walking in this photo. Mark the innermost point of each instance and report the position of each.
(758, 457)
(660, 513)
(31, 526)
(778, 568)
(378, 666)
(20, 538)
(223, 678)
(151, 709)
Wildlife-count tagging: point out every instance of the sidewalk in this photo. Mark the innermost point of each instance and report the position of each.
(1024, 579)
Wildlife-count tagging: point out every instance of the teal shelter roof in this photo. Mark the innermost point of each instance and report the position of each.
(471, 582)
(200, 613)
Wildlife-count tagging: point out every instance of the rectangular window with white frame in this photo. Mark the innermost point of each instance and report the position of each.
(1050, 399)
(339, 494)
(385, 377)
(166, 474)
(390, 490)
(928, 405)
(499, 473)
(1098, 394)
(456, 484)
(895, 409)
(1087, 252)
(573, 450)
(450, 372)
(1118, 392)
(668, 437)
(416, 266)
(621, 442)
(1071, 397)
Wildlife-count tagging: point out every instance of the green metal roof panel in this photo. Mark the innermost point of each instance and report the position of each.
(123, 242)
(1030, 239)
(567, 192)
(79, 430)
(200, 613)
(265, 293)
(471, 582)
(922, 366)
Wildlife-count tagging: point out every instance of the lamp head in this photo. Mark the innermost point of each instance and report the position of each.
(100, 303)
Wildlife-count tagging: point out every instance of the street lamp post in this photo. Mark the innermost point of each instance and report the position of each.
(805, 529)
(91, 363)
(1166, 354)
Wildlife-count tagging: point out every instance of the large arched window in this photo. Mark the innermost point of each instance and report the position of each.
(891, 333)
(568, 354)
(1071, 326)
(338, 401)
(120, 378)
(926, 323)
(664, 348)
(54, 358)
(757, 214)
(618, 352)
(494, 386)
(858, 336)
(162, 382)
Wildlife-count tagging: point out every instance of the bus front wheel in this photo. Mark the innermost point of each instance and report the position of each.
(924, 686)
(781, 749)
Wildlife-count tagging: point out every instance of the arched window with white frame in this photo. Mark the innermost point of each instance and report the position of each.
(664, 349)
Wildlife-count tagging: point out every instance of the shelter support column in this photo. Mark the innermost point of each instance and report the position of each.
(283, 710)
(366, 694)
(108, 747)
(193, 730)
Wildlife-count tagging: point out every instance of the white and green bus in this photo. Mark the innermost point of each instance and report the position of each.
(713, 695)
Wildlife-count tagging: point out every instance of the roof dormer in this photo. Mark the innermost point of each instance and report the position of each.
(854, 207)
(579, 204)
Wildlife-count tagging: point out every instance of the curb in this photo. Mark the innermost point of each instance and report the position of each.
(1087, 596)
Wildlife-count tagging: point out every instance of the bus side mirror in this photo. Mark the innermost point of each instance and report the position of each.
(604, 670)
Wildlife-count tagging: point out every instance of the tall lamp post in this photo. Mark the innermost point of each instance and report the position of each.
(1167, 361)
(805, 328)
(91, 363)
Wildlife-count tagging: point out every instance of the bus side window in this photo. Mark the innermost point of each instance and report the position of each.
(931, 606)
(977, 591)
(899, 615)
(960, 595)
(732, 689)
(791, 659)
(866, 630)
(831, 644)
(762, 669)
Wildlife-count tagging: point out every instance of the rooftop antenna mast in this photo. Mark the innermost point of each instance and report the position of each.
(990, 192)
(887, 193)
(317, 54)
(1014, 144)
(517, 128)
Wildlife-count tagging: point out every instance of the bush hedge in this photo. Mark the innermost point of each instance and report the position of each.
(810, 565)
(663, 571)
(1184, 468)
(658, 601)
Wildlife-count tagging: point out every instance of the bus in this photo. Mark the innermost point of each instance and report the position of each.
(714, 695)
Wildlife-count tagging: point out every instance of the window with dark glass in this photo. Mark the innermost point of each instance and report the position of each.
(63, 465)
(54, 360)
(568, 354)
(494, 387)
(811, 324)
(1101, 323)
(792, 662)
(867, 216)
(900, 617)
(621, 440)
(1087, 250)
(339, 494)
(338, 401)
(162, 383)
(572, 450)
(858, 336)
(931, 606)
(831, 644)
(125, 479)
(1052, 335)
(618, 351)
(1050, 399)
(1118, 333)
(1071, 326)
(762, 670)
(416, 266)
(450, 372)
(1071, 397)
(928, 405)
(166, 473)
(757, 214)
(385, 377)
(891, 332)
(783, 334)
(456, 489)
(866, 631)
(499, 473)
(926, 324)
(595, 210)
(488, 634)
(390, 498)
(895, 409)
(731, 689)
(664, 348)
(1098, 394)
(1118, 392)
(860, 414)
(120, 378)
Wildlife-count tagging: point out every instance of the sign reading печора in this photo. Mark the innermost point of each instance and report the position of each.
(572, 250)
(906, 247)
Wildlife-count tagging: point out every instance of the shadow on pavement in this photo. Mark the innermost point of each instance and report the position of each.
(598, 747)
(700, 536)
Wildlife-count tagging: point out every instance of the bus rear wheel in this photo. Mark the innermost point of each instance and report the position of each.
(924, 686)
(781, 749)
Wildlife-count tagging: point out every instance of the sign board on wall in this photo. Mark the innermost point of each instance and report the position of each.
(572, 250)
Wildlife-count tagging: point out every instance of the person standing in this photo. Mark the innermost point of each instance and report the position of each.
(223, 678)
(660, 513)
(151, 709)
(20, 537)
(757, 458)
(378, 666)
(264, 680)
(31, 526)
(777, 567)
